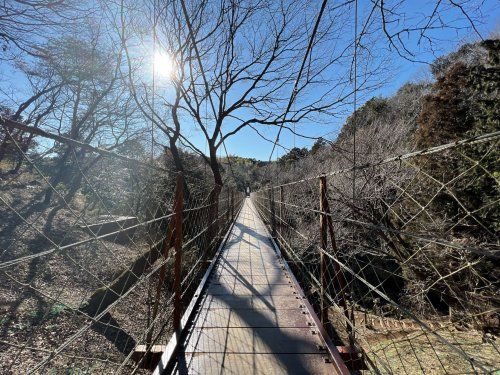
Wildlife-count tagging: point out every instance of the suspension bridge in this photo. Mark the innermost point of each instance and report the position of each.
(250, 314)
(374, 253)
(147, 269)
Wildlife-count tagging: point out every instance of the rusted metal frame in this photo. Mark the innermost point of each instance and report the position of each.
(167, 360)
(350, 353)
(322, 258)
(151, 352)
(337, 361)
(339, 274)
(163, 270)
(147, 355)
(179, 205)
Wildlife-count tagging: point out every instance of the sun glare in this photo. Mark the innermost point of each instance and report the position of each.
(164, 64)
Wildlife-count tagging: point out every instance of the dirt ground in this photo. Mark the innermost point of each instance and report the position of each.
(40, 295)
(401, 346)
(418, 352)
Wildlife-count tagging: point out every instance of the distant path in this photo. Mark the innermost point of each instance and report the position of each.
(251, 319)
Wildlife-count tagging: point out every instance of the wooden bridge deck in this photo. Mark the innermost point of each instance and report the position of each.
(252, 317)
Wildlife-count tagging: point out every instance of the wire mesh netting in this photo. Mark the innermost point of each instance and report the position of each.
(86, 259)
(402, 265)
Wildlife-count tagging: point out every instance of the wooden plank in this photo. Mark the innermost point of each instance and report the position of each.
(251, 302)
(247, 318)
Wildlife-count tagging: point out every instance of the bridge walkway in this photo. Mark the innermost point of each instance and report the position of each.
(252, 318)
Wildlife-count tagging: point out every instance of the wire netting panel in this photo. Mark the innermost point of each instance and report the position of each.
(84, 236)
(411, 278)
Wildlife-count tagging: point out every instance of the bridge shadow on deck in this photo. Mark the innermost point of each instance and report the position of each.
(236, 304)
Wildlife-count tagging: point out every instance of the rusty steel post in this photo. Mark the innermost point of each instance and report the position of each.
(339, 274)
(322, 258)
(273, 212)
(282, 197)
(232, 204)
(167, 244)
(178, 252)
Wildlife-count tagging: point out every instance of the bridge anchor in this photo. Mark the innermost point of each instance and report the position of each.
(352, 357)
(148, 358)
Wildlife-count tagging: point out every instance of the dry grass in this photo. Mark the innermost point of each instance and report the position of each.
(402, 346)
(418, 352)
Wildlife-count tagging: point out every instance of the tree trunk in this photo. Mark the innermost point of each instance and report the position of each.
(214, 165)
(25, 147)
(57, 177)
(176, 156)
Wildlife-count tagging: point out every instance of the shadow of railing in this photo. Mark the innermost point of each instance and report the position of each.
(238, 303)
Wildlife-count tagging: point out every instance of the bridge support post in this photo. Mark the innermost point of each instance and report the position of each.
(326, 224)
(273, 211)
(178, 251)
(232, 204)
(148, 355)
(322, 258)
(282, 197)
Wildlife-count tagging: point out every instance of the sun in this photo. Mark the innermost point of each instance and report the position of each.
(164, 64)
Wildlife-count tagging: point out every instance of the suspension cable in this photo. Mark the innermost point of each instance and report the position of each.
(294, 91)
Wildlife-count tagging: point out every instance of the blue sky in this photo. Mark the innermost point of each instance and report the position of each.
(247, 143)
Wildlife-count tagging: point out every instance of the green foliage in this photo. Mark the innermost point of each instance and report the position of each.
(465, 103)
(38, 316)
(245, 172)
(375, 109)
(468, 54)
(294, 155)
(318, 145)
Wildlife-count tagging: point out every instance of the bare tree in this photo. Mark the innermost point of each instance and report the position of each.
(410, 34)
(93, 107)
(31, 111)
(26, 25)
(237, 64)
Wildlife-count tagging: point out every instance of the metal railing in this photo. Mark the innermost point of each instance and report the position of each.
(99, 252)
(401, 271)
